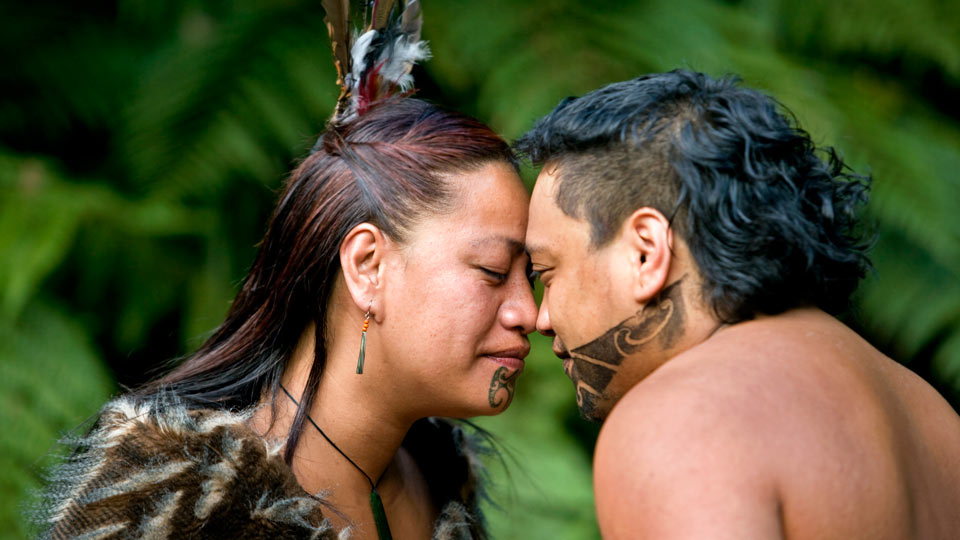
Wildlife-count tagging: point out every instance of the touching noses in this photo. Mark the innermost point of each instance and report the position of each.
(543, 318)
(520, 309)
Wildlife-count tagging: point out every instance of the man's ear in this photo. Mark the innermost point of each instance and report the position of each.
(650, 240)
(361, 258)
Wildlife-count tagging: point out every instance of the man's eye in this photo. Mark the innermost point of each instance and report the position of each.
(494, 274)
(532, 276)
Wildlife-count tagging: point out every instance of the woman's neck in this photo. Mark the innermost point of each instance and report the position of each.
(351, 410)
(367, 416)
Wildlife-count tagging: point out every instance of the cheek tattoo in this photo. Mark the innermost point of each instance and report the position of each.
(503, 379)
(595, 363)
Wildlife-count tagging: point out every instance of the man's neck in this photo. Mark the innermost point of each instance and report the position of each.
(670, 324)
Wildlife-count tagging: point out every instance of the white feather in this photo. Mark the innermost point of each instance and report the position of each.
(358, 52)
(403, 55)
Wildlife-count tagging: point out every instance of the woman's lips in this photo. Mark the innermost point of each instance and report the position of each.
(511, 358)
(508, 361)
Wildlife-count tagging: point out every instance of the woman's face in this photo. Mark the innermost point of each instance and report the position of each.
(457, 303)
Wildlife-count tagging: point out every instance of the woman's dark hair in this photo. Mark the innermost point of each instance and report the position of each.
(387, 168)
(770, 223)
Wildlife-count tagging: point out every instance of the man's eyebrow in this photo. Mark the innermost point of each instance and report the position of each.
(537, 249)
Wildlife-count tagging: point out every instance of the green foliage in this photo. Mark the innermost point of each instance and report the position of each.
(140, 144)
(51, 380)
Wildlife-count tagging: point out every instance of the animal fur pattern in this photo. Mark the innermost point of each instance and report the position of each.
(156, 470)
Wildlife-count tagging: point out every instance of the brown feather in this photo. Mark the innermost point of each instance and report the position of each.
(381, 13)
(338, 25)
(411, 20)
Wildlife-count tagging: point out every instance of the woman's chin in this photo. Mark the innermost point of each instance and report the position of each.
(487, 404)
(501, 387)
(497, 410)
(474, 409)
(490, 393)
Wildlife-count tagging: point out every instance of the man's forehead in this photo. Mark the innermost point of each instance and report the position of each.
(542, 216)
(543, 222)
(547, 179)
(550, 231)
(543, 199)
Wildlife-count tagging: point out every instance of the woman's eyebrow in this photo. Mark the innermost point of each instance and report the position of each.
(516, 247)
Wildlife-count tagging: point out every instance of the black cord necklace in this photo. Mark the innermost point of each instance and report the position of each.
(376, 504)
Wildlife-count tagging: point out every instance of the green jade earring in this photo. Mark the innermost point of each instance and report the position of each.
(363, 341)
(376, 504)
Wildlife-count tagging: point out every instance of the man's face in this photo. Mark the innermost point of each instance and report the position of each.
(585, 298)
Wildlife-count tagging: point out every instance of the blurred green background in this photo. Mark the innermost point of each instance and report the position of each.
(142, 144)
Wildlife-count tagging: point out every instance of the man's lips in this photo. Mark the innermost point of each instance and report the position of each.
(564, 355)
(511, 358)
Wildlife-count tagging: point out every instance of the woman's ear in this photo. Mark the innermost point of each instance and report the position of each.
(649, 239)
(361, 258)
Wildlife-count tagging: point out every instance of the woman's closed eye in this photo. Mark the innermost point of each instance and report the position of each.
(494, 275)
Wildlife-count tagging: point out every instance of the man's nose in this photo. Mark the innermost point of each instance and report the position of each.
(543, 319)
(521, 311)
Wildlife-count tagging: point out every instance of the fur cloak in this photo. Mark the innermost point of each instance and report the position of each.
(157, 470)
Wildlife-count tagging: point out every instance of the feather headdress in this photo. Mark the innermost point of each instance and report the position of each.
(374, 59)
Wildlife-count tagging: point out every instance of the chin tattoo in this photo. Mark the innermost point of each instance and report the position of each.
(595, 363)
(501, 386)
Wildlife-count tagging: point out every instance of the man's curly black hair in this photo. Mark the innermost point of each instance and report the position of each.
(771, 224)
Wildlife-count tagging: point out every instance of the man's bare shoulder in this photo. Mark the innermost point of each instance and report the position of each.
(731, 376)
(717, 408)
(755, 389)
(803, 358)
(705, 431)
(725, 397)
(791, 416)
(680, 443)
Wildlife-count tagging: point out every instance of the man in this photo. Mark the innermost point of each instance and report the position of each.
(691, 244)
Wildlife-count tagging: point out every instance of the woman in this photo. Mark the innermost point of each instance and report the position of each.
(406, 226)
(391, 288)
